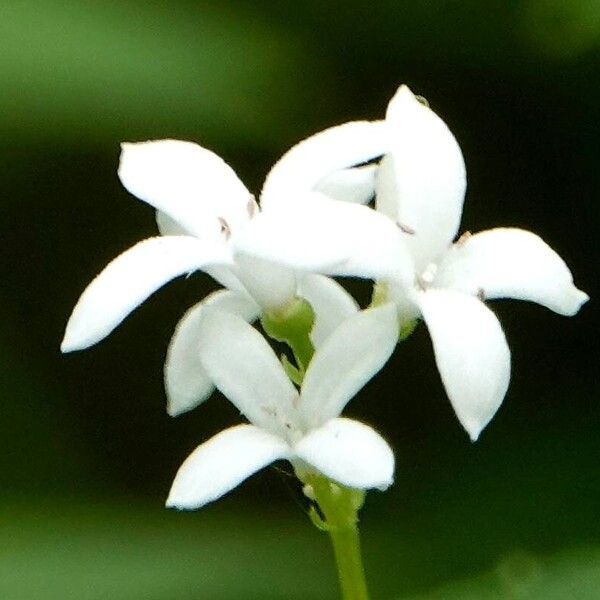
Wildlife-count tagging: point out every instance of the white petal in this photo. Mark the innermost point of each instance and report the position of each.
(167, 226)
(348, 358)
(421, 183)
(129, 279)
(186, 383)
(226, 277)
(221, 274)
(271, 285)
(350, 185)
(471, 354)
(317, 234)
(350, 453)
(331, 303)
(244, 368)
(306, 164)
(190, 184)
(511, 263)
(222, 463)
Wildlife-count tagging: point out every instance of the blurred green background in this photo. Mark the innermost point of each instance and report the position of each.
(88, 451)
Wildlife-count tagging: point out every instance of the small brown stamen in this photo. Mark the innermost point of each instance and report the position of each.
(405, 228)
(463, 238)
(252, 207)
(225, 229)
(481, 294)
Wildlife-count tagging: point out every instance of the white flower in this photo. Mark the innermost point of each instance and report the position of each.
(420, 186)
(201, 208)
(302, 427)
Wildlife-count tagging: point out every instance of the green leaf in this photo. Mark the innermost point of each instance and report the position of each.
(523, 575)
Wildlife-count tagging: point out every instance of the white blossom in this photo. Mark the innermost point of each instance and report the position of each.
(419, 186)
(201, 208)
(302, 426)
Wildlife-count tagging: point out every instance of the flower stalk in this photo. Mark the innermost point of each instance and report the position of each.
(337, 514)
(336, 507)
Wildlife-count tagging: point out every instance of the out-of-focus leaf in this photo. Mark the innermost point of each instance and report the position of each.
(573, 574)
(559, 29)
(134, 70)
(61, 550)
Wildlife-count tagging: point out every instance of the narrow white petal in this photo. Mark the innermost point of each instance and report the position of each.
(348, 358)
(317, 234)
(271, 285)
(471, 354)
(186, 383)
(224, 275)
(309, 162)
(245, 369)
(222, 463)
(331, 303)
(350, 185)
(350, 453)
(129, 279)
(421, 182)
(190, 184)
(511, 263)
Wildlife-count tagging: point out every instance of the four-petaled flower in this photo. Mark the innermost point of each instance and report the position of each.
(202, 206)
(302, 427)
(420, 186)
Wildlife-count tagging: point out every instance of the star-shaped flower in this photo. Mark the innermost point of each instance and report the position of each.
(419, 186)
(303, 427)
(202, 207)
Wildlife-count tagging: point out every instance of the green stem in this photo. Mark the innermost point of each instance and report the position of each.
(339, 507)
(351, 574)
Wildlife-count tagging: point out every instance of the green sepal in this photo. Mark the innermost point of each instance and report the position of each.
(379, 297)
(406, 329)
(292, 325)
(317, 520)
(290, 370)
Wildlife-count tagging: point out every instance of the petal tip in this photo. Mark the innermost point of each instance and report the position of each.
(66, 346)
(178, 499)
(581, 298)
(572, 303)
(72, 342)
(173, 503)
(172, 411)
(404, 92)
(403, 96)
(474, 427)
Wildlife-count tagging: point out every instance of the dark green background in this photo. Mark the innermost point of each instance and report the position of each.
(88, 453)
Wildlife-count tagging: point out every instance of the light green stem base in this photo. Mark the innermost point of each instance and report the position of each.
(346, 545)
(339, 507)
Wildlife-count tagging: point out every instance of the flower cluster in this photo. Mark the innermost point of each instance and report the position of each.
(276, 262)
